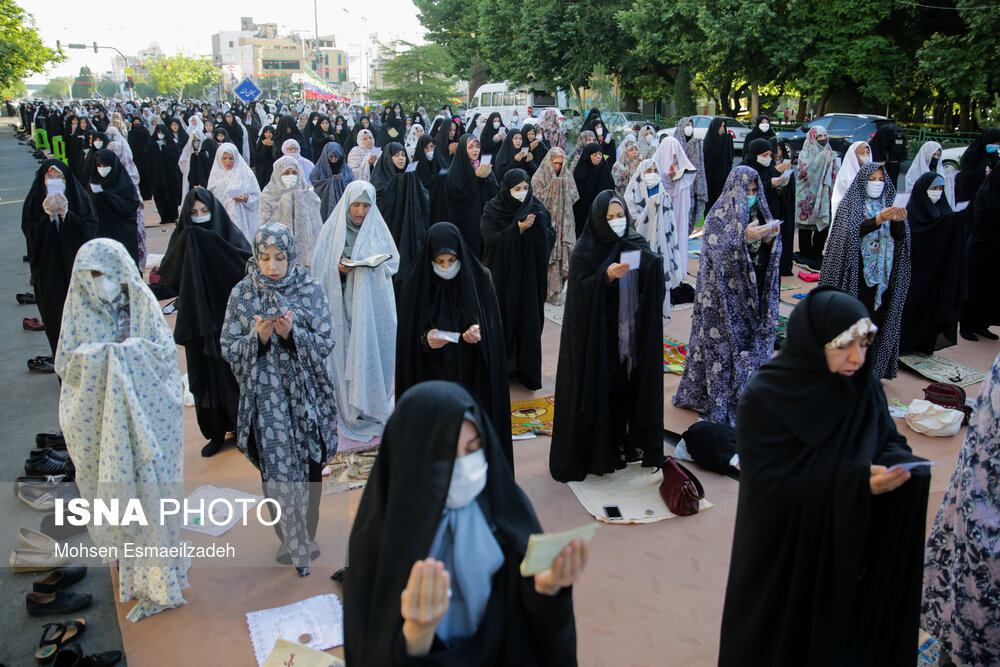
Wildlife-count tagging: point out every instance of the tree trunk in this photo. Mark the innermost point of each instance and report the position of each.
(754, 100)
(630, 102)
(683, 99)
(800, 114)
(821, 109)
(478, 77)
(725, 109)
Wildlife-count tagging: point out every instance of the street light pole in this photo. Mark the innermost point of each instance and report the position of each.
(131, 94)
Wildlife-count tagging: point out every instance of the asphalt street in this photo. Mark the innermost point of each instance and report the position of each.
(29, 405)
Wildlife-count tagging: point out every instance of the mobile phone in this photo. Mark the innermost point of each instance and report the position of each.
(612, 512)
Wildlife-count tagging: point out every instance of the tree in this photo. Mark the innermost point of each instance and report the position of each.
(16, 89)
(176, 74)
(84, 85)
(107, 86)
(414, 76)
(22, 52)
(59, 87)
(453, 24)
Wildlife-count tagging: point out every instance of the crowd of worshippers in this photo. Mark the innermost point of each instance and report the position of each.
(349, 277)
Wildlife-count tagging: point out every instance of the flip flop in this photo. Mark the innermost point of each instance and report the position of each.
(36, 498)
(59, 635)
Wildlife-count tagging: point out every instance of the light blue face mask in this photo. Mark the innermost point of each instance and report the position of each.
(992, 148)
(751, 200)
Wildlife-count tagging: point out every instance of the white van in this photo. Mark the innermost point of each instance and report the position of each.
(528, 99)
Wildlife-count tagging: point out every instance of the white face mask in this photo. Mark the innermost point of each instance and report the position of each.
(651, 180)
(98, 144)
(315, 120)
(599, 131)
(468, 479)
(201, 219)
(688, 131)
(290, 181)
(519, 195)
(874, 188)
(107, 288)
(103, 171)
(618, 226)
(864, 159)
(764, 127)
(429, 155)
(934, 195)
(159, 136)
(55, 186)
(496, 124)
(449, 273)
(764, 161)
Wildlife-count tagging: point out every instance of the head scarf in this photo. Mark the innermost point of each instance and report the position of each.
(416, 131)
(922, 164)
(885, 263)
(363, 309)
(586, 137)
(385, 171)
(330, 179)
(228, 183)
(357, 159)
(845, 176)
(647, 145)
(290, 147)
(555, 134)
(624, 168)
(817, 173)
(296, 206)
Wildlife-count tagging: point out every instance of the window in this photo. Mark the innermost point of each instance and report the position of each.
(339, 62)
(281, 64)
(842, 126)
(475, 102)
(701, 121)
(230, 44)
(508, 99)
(497, 99)
(522, 99)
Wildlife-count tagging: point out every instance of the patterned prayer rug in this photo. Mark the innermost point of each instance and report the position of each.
(674, 356)
(349, 470)
(929, 652)
(533, 416)
(939, 369)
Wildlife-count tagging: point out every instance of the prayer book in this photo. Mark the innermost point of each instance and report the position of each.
(544, 548)
(411, 167)
(370, 262)
(485, 159)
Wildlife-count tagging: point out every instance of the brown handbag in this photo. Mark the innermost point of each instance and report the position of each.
(680, 489)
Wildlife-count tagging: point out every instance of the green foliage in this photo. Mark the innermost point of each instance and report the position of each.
(961, 58)
(107, 86)
(15, 89)
(180, 73)
(58, 87)
(84, 84)
(416, 76)
(22, 52)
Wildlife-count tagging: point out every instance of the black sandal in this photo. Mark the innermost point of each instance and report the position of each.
(64, 633)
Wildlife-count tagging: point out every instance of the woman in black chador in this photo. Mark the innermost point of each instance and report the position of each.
(207, 255)
(827, 561)
(441, 529)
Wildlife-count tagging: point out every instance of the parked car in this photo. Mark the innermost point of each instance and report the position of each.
(951, 157)
(843, 130)
(737, 130)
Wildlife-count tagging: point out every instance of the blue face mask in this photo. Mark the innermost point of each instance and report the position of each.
(751, 200)
(992, 148)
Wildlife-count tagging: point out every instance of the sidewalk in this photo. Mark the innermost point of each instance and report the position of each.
(29, 405)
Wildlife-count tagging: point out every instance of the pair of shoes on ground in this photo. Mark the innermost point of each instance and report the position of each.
(41, 491)
(72, 656)
(969, 334)
(25, 298)
(36, 553)
(53, 440)
(32, 324)
(42, 364)
(47, 461)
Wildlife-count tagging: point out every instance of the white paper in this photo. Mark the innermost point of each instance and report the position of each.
(96, 187)
(485, 159)
(376, 151)
(233, 194)
(411, 167)
(450, 336)
(912, 465)
(632, 258)
(209, 493)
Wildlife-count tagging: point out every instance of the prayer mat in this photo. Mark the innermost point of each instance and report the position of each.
(787, 287)
(674, 356)
(694, 247)
(939, 369)
(781, 330)
(634, 490)
(349, 470)
(317, 622)
(554, 314)
(532, 417)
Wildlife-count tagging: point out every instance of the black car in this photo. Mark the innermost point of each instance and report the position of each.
(843, 130)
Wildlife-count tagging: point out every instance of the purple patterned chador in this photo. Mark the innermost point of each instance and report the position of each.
(736, 305)
(962, 563)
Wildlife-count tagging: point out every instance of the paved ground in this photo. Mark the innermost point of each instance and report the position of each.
(28, 405)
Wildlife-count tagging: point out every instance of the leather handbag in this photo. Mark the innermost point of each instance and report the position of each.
(680, 489)
(948, 396)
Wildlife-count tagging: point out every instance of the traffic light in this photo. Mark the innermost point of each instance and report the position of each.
(129, 84)
(95, 47)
